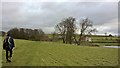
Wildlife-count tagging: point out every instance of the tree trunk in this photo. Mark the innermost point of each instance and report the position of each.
(75, 40)
(80, 39)
(63, 40)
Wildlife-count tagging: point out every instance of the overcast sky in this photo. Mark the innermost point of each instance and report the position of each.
(46, 15)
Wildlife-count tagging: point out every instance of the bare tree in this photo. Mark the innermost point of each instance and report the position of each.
(94, 30)
(84, 24)
(66, 29)
(61, 29)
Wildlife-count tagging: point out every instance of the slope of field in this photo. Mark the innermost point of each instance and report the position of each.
(35, 53)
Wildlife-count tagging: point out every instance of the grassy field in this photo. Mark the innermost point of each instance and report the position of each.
(35, 53)
(99, 40)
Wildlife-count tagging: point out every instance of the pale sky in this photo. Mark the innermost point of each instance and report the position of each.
(46, 14)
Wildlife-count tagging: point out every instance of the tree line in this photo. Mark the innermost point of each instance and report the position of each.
(2, 33)
(28, 34)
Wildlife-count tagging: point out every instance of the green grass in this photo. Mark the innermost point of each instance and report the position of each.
(35, 53)
(111, 41)
(99, 40)
(107, 44)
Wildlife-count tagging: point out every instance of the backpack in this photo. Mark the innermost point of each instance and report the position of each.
(7, 43)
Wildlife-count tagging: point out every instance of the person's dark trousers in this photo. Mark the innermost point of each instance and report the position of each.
(8, 53)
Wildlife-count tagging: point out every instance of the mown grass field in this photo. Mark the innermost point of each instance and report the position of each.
(35, 53)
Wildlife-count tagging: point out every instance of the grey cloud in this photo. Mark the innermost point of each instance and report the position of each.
(48, 14)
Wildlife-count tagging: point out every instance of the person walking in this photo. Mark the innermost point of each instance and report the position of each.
(8, 45)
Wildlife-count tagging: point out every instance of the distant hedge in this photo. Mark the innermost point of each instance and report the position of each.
(28, 34)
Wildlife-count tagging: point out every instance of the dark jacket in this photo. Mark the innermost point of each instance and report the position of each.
(8, 43)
